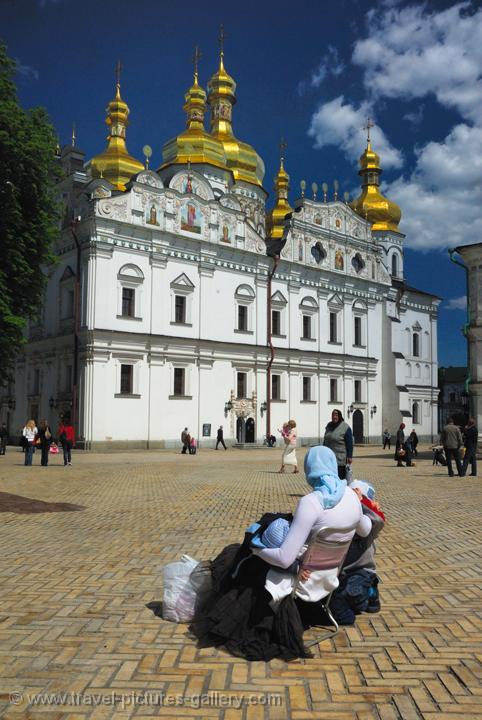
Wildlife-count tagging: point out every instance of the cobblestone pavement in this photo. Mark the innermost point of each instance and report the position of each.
(81, 552)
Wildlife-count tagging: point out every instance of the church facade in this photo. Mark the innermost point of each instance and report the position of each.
(165, 310)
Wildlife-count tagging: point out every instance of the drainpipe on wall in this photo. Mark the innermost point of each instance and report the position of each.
(276, 259)
(465, 329)
(75, 369)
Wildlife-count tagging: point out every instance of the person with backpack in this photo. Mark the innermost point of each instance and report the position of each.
(44, 439)
(67, 438)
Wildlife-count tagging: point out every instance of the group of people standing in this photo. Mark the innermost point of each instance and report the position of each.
(42, 438)
(338, 437)
(453, 441)
(189, 444)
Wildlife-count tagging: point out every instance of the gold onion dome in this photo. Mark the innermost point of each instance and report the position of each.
(275, 219)
(114, 163)
(194, 144)
(383, 214)
(241, 158)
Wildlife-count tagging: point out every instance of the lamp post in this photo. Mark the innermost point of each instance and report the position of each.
(263, 407)
(350, 409)
(227, 407)
(373, 410)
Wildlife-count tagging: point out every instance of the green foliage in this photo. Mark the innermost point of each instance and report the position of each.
(29, 214)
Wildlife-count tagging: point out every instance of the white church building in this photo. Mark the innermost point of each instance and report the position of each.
(161, 312)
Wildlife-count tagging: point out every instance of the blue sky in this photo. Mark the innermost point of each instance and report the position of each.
(310, 71)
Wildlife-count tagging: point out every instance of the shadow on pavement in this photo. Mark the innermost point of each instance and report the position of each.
(26, 506)
(156, 607)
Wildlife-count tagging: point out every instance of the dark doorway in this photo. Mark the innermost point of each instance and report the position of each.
(250, 430)
(240, 430)
(358, 426)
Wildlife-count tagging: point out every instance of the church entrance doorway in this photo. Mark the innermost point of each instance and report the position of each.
(240, 430)
(250, 430)
(358, 426)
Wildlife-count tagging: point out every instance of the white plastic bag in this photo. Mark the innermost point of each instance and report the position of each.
(179, 597)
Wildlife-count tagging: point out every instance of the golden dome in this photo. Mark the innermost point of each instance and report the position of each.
(241, 158)
(275, 219)
(383, 214)
(114, 163)
(194, 144)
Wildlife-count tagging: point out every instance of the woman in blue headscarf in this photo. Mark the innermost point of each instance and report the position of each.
(331, 505)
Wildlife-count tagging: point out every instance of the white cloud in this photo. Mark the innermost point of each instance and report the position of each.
(330, 65)
(26, 71)
(459, 303)
(340, 123)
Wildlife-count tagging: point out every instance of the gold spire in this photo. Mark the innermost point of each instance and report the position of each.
(194, 145)
(114, 163)
(275, 219)
(242, 159)
(383, 214)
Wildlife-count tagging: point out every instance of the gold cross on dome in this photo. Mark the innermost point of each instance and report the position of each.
(118, 69)
(368, 127)
(282, 147)
(196, 58)
(222, 38)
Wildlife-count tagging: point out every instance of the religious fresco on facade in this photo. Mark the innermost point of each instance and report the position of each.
(152, 215)
(317, 220)
(226, 234)
(188, 186)
(191, 218)
(339, 262)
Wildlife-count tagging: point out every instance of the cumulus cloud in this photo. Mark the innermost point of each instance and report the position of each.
(459, 303)
(340, 123)
(411, 53)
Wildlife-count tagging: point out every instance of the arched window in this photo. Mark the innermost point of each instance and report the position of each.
(129, 292)
(395, 265)
(416, 345)
(309, 308)
(244, 299)
(416, 413)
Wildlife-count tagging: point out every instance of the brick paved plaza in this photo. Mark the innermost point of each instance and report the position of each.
(82, 549)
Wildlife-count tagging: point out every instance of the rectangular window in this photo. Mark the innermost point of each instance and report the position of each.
(180, 309)
(36, 382)
(358, 395)
(179, 381)
(416, 345)
(69, 304)
(306, 327)
(128, 302)
(333, 390)
(358, 331)
(242, 317)
(242, 384)
(306, 388)
(276, 387)
(275, 322)
(333, 328)
(127, 374)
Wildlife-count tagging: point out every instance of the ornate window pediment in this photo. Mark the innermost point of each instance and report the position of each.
(245, 292)
(335, 302)
(130, 272)
(278, 298)
(182, 282)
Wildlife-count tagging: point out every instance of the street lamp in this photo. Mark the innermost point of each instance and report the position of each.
(227, 407)
(373, 410)
(350, 409)
(263, 407)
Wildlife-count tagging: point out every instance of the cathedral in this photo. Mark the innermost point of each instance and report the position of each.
(180, 299)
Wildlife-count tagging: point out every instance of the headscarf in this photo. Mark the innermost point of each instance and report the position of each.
(321, 472)
(332, 425)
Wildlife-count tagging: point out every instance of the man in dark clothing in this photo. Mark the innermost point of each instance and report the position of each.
(451, 439)
(220, 438)
(186, 441)
(403, 448)
(471, 435)
(3, 439)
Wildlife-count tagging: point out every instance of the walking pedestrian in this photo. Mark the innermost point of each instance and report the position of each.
(403, 448)
(339, 438)
(45, 438)
(290, 437)
(220, 438)
(471, 436)
(67, 438)
(3, 439)
(186, 441)
(451, 439)
(413, 437)
(387, 436)
(29, 433)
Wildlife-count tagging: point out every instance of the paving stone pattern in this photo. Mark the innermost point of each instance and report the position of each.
(81, 555)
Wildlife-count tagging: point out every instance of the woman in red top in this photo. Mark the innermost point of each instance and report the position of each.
(67, 438)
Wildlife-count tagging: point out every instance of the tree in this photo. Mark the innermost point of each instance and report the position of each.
(29, 213)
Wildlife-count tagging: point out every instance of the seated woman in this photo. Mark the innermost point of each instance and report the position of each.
(239, 614)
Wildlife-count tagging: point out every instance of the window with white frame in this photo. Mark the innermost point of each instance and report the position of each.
(67, 294)
(276, 387)
(359, 323)
(126, 379)
(179, 388)
(416, 344)
(244, 302)
(309, 310)
(335, 315)
(241, 384)
(358, 391)
(416, 413)
(182, 290)
(306, 388)
(278, 313)
(333, 389)
(130, 279)
(395, 264)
